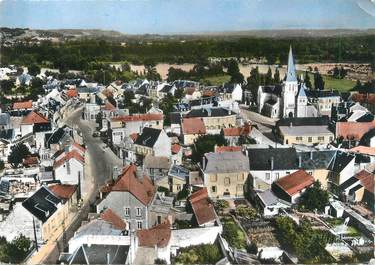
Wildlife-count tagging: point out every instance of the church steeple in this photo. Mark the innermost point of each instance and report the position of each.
(291, 75)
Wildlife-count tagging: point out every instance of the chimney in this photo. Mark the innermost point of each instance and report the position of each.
(311, 154)
(108, 259)
(271, 162)
(300, 161)
(203, 162)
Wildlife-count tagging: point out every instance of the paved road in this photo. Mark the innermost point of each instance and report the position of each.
(265, 124)
(100, 159)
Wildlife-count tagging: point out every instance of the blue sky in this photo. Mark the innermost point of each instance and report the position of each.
(187, 16)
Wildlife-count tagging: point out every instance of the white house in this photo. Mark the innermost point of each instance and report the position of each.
(69, 167)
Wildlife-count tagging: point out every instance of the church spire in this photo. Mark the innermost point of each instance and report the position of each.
(291, 74)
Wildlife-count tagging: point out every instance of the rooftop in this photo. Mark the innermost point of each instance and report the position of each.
(157, 236)
(226, 162)
(295, 182)
(202, 207)
(193, 126)
(34, 118)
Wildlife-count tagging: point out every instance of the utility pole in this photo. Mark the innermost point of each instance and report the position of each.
(35, 239)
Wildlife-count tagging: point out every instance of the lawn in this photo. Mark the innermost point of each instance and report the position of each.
(216, 80)
(233, 234)
(341, 85)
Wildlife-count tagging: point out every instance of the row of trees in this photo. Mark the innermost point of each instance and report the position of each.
(14, 251)
(79, 54)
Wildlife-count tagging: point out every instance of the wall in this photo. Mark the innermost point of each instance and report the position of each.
(327, 138)
(235, 186)
(76, 169)
(162, 146)
(118, 201)
(190, 237)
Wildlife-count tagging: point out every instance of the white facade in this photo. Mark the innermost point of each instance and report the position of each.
(70, 171)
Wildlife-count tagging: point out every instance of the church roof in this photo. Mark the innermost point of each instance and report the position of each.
(291, 75)
(302, 92)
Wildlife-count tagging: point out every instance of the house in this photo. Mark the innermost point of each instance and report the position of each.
(152, 142)
(156, 167)
(129, 197)
(160, 209)
(34, 122)
(5, 121)
(175, 120)
(178, 177)
(90, 111)
(203, 208)
(215, 118)
(23, 80)
(51, 207)
(154, 243)
(316, 164)
(177, 151)
(323, 100)
(69, 167)
(353, 130)
(341, 169)
(191, 129)
(306, 131)
(291, 187)
(360, 189)
(122, 126)
(269, 204)
(225, 174)
(232, 135)
(270, 164)
(230, 92)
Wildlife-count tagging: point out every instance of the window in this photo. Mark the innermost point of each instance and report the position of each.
(159, 219)
(138, 211)
(330, 138)
(277, 175)
(309, 139)
(239, 188)
(240, 177)
(310, 172)
(127, 211)
(320, 138)
(68, 168)
(299, 138)
(139, 224)
(213, 178)
(178, 187)
(288, 172)
(213, 189)
(227, 181)
(268, 176)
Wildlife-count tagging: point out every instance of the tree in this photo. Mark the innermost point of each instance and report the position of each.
(234, 72)
(268, 77)
(314, 198)
(166, 105)
(276, 76)
(18, 249)
(200, 254)
(318, 81)
(205, 144)
(36, 88)
(221, 205)
(246, 212)
(33, 70)
(307, 80)
(18, 153)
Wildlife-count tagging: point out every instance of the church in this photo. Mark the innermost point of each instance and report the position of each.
(288, 99)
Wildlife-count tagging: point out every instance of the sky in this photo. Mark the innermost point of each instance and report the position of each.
(187, 16)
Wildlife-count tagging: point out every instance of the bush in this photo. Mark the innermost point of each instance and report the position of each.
(233, 234)
(245, 212)
(200, 254)
(159, 261)
(182, 194)
(221, 205)
(252, 248)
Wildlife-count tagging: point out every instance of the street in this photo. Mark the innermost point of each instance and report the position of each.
(99, 164)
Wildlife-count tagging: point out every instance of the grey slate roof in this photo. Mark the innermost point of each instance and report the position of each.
(148, 137)
(283, 158)
(98, 254)
(4, 118)
(175, 117)
(316, 159)
(322, 93)
(340, 161)
(226, 162)
(308, 121)
(291, 75)
(267, 197)
(208, 112)
(179, 172)
(42, 204)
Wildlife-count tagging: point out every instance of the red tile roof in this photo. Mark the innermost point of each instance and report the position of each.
(220, 149)
(202, 207)
(353, 130)
(245, 130)
(23, 105)
(295, 182)
(367, 180)
(190, 90)
(363, 150)
(193, 126)
(34, 118)
(109, 216)
(72, 93)
(108, 106)
(134, 136)
(175, 148)
(80, 147)
(31, 160)
(139, 117)
(208, 93)
(70, 155)
(142, 189)
(157, 236)
(63, 191)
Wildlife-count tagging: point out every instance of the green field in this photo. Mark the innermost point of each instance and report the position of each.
(342, 85)
(216, 80)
